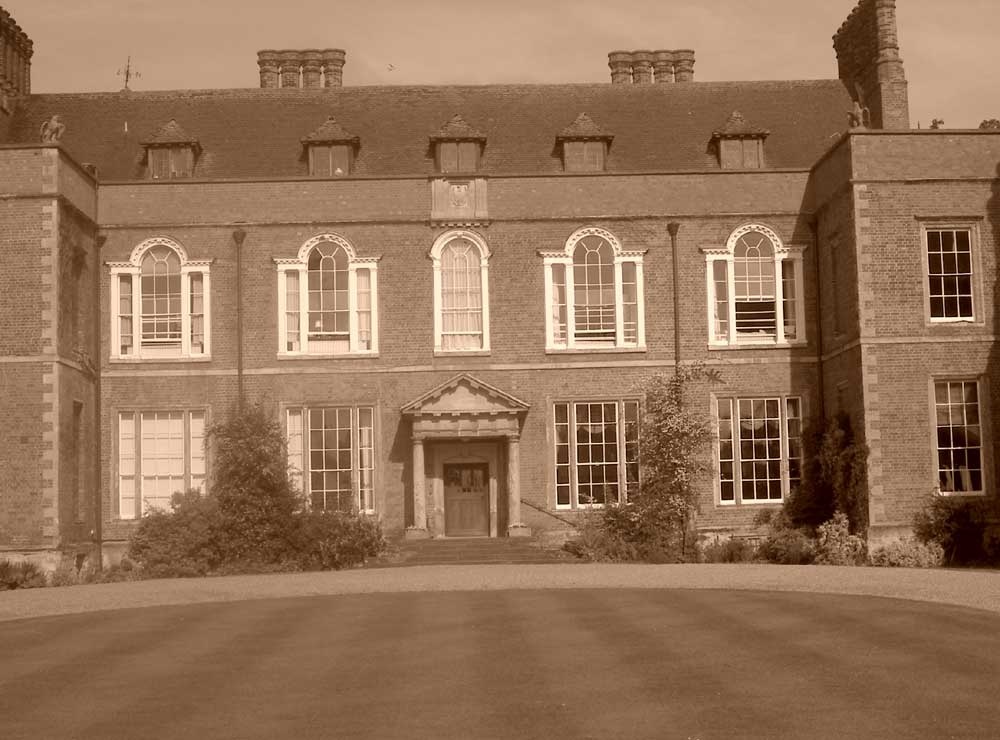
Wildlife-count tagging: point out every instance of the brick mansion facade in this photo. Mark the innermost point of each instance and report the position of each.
(450, 297)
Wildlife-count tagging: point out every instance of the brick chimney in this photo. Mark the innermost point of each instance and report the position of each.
(643, 67)
(869, 64)
(301, 68)
(15, 58)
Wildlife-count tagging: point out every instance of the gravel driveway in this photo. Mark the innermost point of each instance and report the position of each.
(979, 589)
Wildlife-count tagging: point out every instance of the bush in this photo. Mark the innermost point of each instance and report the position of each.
(837, 546)
(963, 528)
(595, 543)
(20, 575)
(183, 542)
(331, 540)
(730, 550)
(907, 553)
(834, 477)
(786, 544)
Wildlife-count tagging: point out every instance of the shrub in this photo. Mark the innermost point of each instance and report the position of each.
(786, 544)
(730, 550)
(595, 543)
(837, 546)
(961, 526)
(256, 499)
(183, 542)
(834, 477)
(20, 575)
(331, 540)
(907, 553)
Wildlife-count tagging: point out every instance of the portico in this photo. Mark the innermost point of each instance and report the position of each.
(466, 478)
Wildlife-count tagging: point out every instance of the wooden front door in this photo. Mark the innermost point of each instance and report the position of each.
(466, 499)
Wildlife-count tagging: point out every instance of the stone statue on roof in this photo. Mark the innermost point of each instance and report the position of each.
(52, 130)
(859, 117)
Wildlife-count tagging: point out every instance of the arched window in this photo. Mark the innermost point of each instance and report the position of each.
(755, 289)
(327, 300)
(159, 302)
(461, 293)
(594, 293)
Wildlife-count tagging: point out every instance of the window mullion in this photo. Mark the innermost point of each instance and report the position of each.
(185, 313)
(550, 327)
(373, 303)
(619, 306)
(734, 420)
(484, 300)
(137, 466)
(356, 459)
(136, 315)
(731, 302)
(574, 479)
(779, 299)
(570, 306)
(283, 310)
(438, 307)
(303, 309)
(620, 429)
(352, 307)
(800, 300)
(640, 309)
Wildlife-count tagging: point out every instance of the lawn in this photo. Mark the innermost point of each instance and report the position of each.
(507, 664)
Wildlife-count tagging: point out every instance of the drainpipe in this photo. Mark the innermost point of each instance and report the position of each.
(97, 534)
(238, 237)
(814, 232)
(673, 227)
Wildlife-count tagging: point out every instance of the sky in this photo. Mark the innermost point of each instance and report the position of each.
(949, 49)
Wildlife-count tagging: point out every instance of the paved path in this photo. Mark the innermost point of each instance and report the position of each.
(525, 663)
(978, 589)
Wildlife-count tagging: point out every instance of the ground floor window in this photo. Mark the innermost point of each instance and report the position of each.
(331, 451)
(959, 436)
(596, 453)
(159, 454)
(760, 449)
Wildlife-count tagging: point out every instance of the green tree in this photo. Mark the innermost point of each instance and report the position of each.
(257, 501)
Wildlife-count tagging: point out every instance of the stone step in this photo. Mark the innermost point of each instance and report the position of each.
(476, 550)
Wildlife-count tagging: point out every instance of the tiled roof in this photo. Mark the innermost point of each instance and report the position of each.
(330, 132)
(257, 133)
(738, 127)
(170, 133)
(457, 130)
(583, 128)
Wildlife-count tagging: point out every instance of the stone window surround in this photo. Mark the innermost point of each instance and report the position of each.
(986, 432)
(484, 257)
(970, 224)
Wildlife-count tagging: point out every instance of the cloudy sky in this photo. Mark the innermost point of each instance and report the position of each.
(949, 48)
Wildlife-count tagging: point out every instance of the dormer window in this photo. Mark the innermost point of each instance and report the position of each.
(584, 145)
(457, 147)
(171, 153)
(740, 144)
(330, 149)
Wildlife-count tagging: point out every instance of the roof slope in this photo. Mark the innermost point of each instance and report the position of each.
(258, 133)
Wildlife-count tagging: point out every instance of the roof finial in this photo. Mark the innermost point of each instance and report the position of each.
(128, 73)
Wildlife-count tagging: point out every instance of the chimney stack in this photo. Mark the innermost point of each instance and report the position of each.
(684, 65)
(644, 67)
(312, 68)
(301, 69)
(333, 67)
(15, 58)
(290, 61)
(663, 65)
(869, 65)
(267, 60)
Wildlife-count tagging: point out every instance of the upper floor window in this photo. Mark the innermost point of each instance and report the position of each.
(457, 147)
(461, 292)
(584, 145)
(331, 150)
(170, 152)
(327, 300)
(755, 290)
(949, 273)
(159, 303)
(594, 294)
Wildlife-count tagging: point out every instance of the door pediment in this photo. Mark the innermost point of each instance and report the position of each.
(465, 407)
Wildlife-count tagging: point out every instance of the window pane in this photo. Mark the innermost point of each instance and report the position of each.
(959, 436)
(789, 305)
(721, 308)
(162, 463)
(559, 321)
(949, 263)
(295, 447)
(292, 329)
(562, 455)
(754, 285)
(597, 453)
(126, 466)
(630, 304)
(760, 449)
(366, 459)
(594, 291)
(364, 301)
(160, 283)
(330, 459)
(329, 319)
(461, 296)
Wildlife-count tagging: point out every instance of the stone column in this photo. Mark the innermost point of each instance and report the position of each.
(514, 526)
(419, 528)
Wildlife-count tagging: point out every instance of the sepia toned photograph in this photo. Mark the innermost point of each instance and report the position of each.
(554, 369)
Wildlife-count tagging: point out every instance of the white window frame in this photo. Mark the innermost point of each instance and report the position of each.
(298, 436)
(484, 266)
(791, 253)
(574, 463)
(133, 267)
(300, 266)
(134, 508)
(985, 435)
(784, 468)
(565, 257)
(972, 227)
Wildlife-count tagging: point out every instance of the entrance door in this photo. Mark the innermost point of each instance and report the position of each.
(466, 499)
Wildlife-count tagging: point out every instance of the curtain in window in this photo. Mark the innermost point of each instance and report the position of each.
(461, 297)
